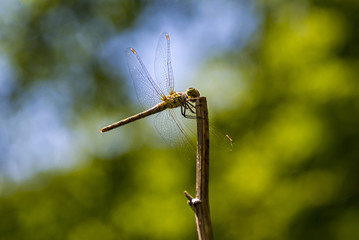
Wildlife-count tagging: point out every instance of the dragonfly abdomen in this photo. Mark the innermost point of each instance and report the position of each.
(156, 109)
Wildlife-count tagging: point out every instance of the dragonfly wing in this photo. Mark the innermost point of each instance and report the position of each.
(172, 129)
(148, 92)
(163, 65)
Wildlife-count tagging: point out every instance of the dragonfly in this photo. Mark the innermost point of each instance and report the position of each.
(159, 96)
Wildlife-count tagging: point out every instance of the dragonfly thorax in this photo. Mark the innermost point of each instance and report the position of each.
(175, 99)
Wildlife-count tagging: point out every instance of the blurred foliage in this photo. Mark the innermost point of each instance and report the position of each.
(292, 173)
(61, 41)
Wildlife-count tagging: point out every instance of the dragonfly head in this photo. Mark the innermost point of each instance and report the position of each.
(192, 93)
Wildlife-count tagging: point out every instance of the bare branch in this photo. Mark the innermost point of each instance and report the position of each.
(200, 204)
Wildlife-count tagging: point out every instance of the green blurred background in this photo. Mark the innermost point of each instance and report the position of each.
(280, 78)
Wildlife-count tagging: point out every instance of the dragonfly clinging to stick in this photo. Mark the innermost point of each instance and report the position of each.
(151, 94)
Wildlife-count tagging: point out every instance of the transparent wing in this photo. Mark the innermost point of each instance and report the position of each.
(148, 92)
(163, 65)
(173, 130)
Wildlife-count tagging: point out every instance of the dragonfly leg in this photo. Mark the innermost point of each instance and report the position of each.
(190, 106)
(190, 117)
(186, 106)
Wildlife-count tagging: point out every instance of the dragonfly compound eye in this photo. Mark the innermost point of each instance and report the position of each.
(192, 93)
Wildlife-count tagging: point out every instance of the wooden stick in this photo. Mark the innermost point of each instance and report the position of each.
(200, 204)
